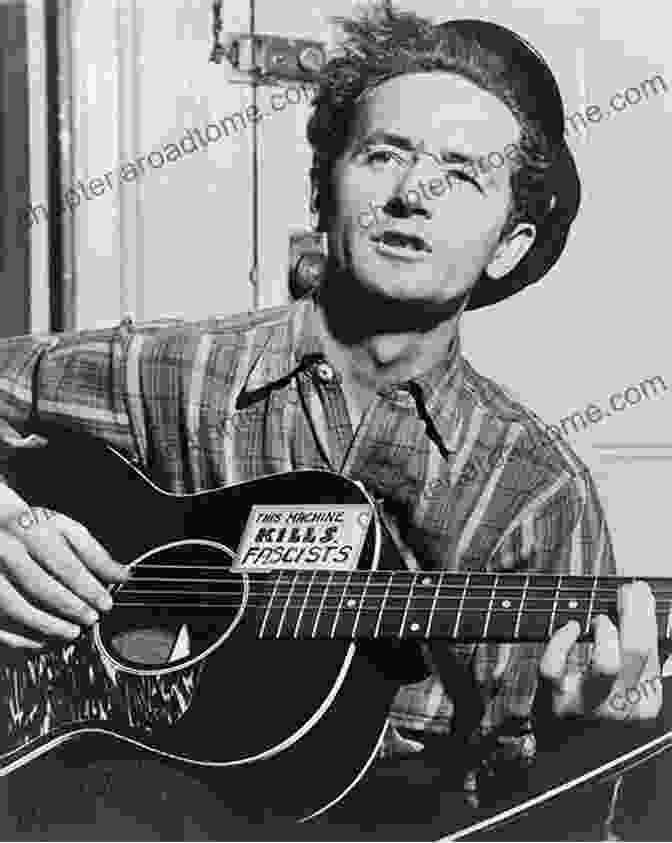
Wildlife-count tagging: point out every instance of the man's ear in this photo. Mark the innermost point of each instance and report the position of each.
(511, 250)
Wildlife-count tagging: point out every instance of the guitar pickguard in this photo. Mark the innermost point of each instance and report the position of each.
(64, 687)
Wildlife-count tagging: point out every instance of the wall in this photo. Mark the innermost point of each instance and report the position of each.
(14, 169)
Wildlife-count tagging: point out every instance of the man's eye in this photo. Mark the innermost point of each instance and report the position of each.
(383, 156)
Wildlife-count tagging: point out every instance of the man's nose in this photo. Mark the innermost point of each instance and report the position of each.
(410, 196)
(400, 206)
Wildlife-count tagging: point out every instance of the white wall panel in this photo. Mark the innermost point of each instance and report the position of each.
(94, 150)
(636, 480)
(37, 107)
(195, 213)
(171, 239)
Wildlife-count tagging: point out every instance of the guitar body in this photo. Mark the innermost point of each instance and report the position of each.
(236, 701)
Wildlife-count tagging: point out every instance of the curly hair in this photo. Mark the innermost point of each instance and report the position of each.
(381, 42)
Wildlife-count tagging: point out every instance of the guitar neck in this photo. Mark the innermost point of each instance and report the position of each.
(457, 607)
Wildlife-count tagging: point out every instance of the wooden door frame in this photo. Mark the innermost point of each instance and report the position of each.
(14, 170)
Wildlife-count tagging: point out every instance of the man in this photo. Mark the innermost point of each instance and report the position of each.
(366, 376)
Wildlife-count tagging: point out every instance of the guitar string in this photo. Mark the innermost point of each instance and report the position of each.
(414, 581)
(328, 608)
(335, 595)
(533, 597)
(530, 598)
(298, 604)
(543, 595)
(499, 592)
(297, 607)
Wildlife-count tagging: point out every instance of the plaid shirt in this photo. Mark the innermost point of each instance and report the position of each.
(468, 477)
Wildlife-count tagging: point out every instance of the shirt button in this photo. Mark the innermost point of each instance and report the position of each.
(325, 373)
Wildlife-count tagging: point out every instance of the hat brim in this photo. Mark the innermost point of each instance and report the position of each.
(551, 236)
(538, 96)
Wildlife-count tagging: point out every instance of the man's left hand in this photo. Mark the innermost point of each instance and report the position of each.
(622, 680)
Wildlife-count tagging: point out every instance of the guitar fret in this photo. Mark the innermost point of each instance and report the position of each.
(376, 631)
(489, 613)
(270, 605)
(461, 606)
(591, 605)
(361, 603)
(304, 604)
(516, 631)
(340, 605)
(555, 606)
(321, 606)
(437, 590)
(405, 615)
(286, 606)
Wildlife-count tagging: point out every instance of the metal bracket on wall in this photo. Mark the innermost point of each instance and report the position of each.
(268, 59)
(263, 60)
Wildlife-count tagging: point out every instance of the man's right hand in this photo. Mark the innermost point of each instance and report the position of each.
(52, 575)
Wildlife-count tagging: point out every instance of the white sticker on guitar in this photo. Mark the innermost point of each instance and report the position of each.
(324, 537)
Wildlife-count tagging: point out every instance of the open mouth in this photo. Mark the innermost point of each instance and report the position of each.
(399, 240)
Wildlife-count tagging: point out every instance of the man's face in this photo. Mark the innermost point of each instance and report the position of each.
(422, 227)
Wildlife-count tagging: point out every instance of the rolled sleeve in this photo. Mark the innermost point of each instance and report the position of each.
(81, 386)
(20, 359)
(85, 382)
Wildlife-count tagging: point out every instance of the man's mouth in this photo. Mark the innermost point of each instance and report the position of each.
(391, 241)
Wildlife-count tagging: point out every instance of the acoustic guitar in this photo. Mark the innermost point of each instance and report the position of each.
(282, 591)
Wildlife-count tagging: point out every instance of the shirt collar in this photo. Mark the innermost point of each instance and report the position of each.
(294, 344)
(291, 344)
(441, 391)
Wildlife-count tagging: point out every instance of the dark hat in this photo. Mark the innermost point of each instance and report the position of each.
(538, 96)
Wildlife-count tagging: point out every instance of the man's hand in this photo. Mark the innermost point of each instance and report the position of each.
(622, 681)
(51, 575)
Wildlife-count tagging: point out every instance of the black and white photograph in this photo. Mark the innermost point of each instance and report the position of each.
(335, 434)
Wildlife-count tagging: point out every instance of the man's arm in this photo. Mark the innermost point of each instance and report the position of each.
(52, 571)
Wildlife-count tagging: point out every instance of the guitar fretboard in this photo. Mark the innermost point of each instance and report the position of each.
(459, 607)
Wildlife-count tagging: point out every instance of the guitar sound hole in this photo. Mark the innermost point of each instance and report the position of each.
(152, 646)
(179, 601)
